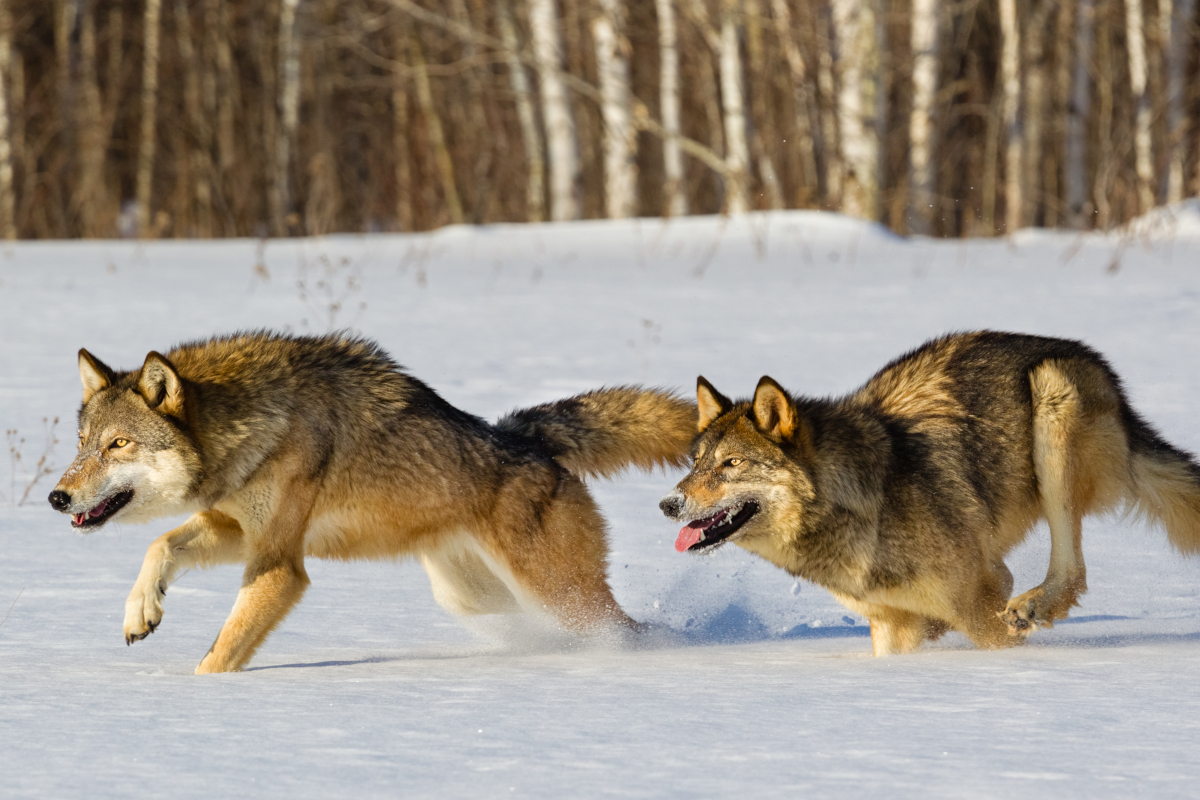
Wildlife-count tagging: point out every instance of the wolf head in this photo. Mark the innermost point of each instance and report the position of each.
(135, 460)
(748, 475)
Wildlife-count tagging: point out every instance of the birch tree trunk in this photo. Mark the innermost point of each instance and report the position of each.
(289, 115)
(859, 98)
(737, 153)
(668, 88)
(1135, 42)
(8, 229)
(145, 162)
(1180, 43)
(620, 138)
(920, 127)
(556, 111)
(531, 137)
(1075, 146)
(1011, 77)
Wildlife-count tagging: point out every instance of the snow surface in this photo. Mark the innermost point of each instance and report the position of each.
(755, 686)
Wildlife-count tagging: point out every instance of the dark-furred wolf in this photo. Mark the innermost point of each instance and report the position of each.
(286, 447)
(903, 498)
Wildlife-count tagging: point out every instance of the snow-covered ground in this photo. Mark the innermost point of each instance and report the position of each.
(757, 687)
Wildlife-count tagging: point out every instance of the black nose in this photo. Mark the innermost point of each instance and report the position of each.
(60, 500)
(671, 505)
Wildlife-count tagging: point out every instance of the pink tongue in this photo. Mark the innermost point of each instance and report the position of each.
(688, 536)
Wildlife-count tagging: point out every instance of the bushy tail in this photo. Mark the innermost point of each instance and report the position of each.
(601, 433)
(1166, 486)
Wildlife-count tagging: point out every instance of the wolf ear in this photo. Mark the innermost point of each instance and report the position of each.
(774, 413)
(712, 403)
(95, 374)
(161, 386)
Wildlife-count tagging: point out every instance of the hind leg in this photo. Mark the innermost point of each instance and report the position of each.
(557, 557)
(1057, 427)
(895, 631)
(463, 584)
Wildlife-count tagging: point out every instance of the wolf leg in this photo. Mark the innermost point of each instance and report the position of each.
(558, 559)
(274, 513)
(463, 584)
(1057, 422)
(895, 631)
(269, 591)
(207, 538)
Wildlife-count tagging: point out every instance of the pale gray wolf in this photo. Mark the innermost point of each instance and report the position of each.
(284, 447)
(904, 497)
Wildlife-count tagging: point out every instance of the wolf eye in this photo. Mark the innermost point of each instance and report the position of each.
(118, 443)
(733, 462)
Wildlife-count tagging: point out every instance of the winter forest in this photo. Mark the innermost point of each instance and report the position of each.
(215, 118)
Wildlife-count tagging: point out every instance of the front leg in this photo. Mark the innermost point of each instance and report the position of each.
(274, 513)
(207, 538)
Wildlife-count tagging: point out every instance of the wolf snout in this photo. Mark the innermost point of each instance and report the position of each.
(672, 505)
(60, 500)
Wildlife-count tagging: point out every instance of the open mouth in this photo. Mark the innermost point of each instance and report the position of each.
(707, 533)
(103, 512)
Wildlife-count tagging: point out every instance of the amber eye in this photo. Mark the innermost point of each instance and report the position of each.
(733, 462)
(119, 443)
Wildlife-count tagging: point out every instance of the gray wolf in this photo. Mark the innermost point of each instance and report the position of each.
(285, 447)
(903, 498)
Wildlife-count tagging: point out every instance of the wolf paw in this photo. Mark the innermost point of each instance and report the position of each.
(1026, 613)
(143, 611)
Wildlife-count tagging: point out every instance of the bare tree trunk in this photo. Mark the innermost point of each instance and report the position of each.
(437, 139)
(198, 151)
(64, 27)
(782, 17)
(288, 52)
(145, 168)
(89, 199)
(226, 88)
(1102, 183)
(1075, 146)
(1035, 111)
(668, 87)
(760, 119)
(1180, 43)
(991, 155)
(20, 153)
(535, 204)
(620, 137)
(556, 111)
(1135, 42)
(400, 126)
(8, 229)
(833, 165)
(859, 97)
(1011, 76)
(922, 179)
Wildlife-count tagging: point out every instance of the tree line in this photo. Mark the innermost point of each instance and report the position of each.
(212, 118)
